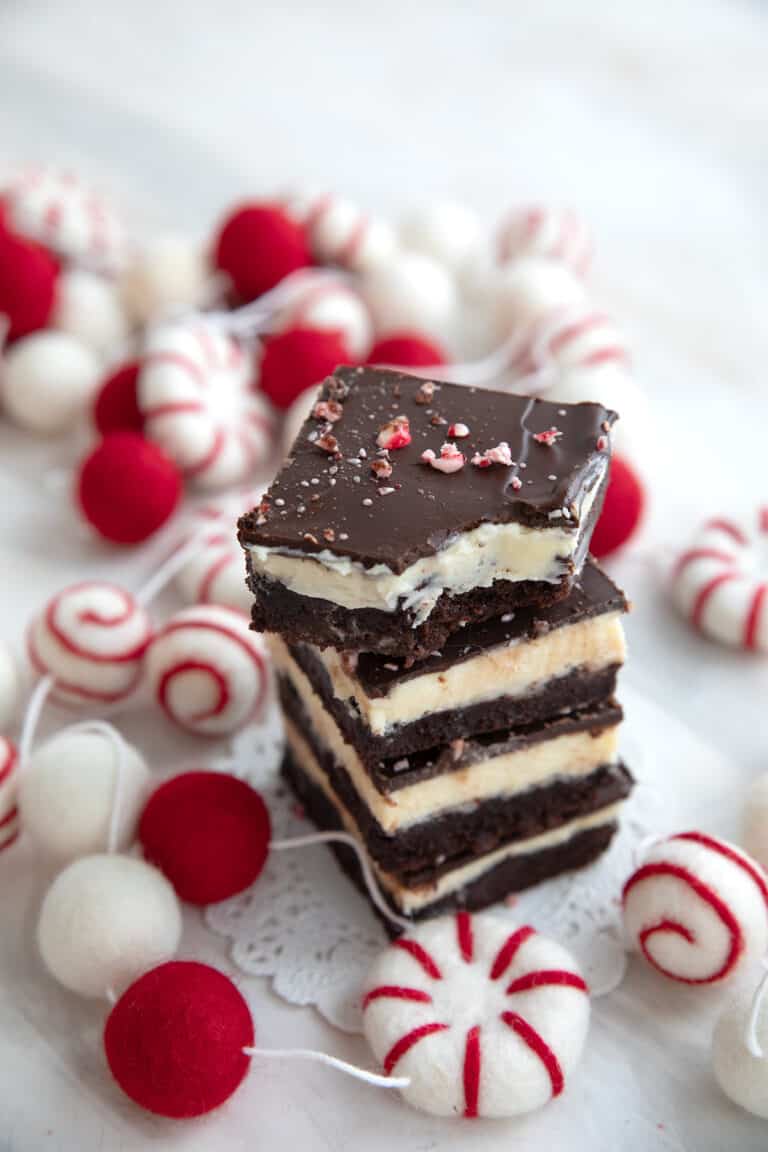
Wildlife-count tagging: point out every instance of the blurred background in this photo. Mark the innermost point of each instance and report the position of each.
(649, 118)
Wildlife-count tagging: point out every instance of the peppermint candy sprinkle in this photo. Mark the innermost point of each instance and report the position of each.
(449, 460)
(500, 454)
(549, 437)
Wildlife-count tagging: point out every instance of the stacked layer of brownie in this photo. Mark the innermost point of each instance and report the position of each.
(446, 657)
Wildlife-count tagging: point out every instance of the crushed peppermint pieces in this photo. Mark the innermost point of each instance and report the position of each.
(457, 748)
(327, 443)
(437, 420)
(386, 491)
(449, 460)
(602, 443)
(329, 535)
(499, 454)
(396, 433)
(329, 410)
(425, 393)
(401, 764)
(458, 431)
(516, 483)
(550, 437)
(309, 536)
(382, 469)
(367, 502)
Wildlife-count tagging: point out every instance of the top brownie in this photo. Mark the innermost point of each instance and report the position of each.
(412, 506)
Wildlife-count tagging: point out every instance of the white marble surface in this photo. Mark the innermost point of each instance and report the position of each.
(650, 117)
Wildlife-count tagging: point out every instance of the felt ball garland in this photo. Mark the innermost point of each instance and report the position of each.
(180, 1037)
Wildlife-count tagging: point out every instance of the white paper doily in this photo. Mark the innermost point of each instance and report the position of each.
(304, 924)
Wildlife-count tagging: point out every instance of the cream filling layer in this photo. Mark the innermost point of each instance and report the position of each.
(416, 899)
(473, 559)
(573, 755)
(508, 670)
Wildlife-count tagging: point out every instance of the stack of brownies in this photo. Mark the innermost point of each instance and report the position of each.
(446, 651)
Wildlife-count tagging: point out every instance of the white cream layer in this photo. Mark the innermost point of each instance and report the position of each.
(473, 559)
(563, 757)
(411, 900)
(512, 670)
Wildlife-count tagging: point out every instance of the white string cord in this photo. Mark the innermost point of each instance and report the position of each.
(163, 575)
(370, 880)
(257, 316)
(374, 1078)
(751, 1039)
(32, 716)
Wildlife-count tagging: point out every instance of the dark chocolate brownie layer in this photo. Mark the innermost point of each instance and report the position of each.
(576, 690)
(328, 625)
(510, 875)
(390, 774)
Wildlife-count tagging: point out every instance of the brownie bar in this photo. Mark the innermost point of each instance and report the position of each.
(361, 543)
(512, 874)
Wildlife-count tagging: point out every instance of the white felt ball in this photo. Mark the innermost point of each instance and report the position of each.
(91, 637)
(485, 1017)
(755, 835)
(530, 289)
(742, 1076)
(615, 387)
(168, 277)
(48, 380)
(697, 909)
(10, 685)
(297, 414)
(448, 232)
(67, 793)
(207, 670)
(411, 292)
(104, 921)
(88, 306)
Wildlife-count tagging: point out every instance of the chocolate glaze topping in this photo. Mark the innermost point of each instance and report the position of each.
(326, 496)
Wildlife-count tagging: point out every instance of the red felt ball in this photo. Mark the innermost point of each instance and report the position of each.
(622, 511)
(174, 1040)
(28, 275)
(257, 245)
(127, 488)
(116, 408)
(407, 350)
(208, 832)
(297, 359)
